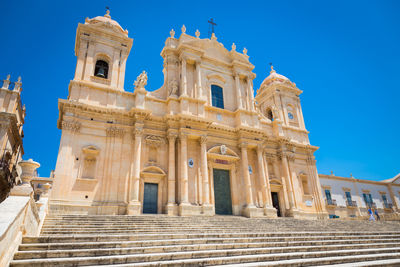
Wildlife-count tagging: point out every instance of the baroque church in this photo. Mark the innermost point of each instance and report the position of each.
(202, 144)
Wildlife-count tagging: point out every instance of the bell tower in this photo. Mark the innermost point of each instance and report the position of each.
(102, 48)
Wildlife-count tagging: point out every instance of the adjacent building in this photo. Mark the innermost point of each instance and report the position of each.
(12, 117)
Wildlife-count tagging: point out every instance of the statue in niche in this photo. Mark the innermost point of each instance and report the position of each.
(275, 113)
(173, 88)
(141, 81)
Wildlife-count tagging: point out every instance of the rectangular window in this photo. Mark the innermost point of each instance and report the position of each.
(328, 195)
(367, 199)
(217, 96)
(384, 198)
(348, 197)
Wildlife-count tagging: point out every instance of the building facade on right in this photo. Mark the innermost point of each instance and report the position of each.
(348, 197)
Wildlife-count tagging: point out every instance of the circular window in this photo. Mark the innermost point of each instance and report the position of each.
(290, 115)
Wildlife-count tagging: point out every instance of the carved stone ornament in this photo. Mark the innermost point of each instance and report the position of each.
(141, 81)
(172, 33)
(223, 149)
(115, 132)
(275, 112)
(197, 34)
(73, 126)
(154, 140)
(173, 88)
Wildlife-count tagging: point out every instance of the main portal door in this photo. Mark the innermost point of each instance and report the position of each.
(275, 203)
(150, 198)
(222, 192)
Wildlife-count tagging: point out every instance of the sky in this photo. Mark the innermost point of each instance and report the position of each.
(344, 55)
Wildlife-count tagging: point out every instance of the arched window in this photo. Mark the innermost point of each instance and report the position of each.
(217, 96)
(101, 69)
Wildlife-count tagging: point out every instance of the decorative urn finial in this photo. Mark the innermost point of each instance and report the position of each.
(172, 33)
(183, 29)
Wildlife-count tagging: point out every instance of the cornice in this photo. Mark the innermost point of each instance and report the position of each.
(99, 86)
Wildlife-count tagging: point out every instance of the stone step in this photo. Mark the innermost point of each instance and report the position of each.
(389, 259)
(277, 237)
(381, 260)
(206, 257)
(258, 241)
(232, 248)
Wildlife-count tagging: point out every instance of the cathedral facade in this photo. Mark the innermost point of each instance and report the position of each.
(202, 144)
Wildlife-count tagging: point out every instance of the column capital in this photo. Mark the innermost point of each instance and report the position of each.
(203, 139)
(270, 156)
(243, 145)
(73, 126)
(183, 136)
(172, 135)
(260, 147)
(137, 131)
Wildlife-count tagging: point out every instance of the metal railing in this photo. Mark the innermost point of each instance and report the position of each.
(331, 202)
(388, 205)
(351, 203)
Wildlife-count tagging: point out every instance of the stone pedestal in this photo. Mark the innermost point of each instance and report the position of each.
(134, 208)
(293, 213)
(185, 209)
(208, 210)
(24, 189)
(250, 211)
(270, 212)
(172, 209)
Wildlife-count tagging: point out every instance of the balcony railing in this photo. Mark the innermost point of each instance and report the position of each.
(331, 202)
(351, 203)
(388, 206)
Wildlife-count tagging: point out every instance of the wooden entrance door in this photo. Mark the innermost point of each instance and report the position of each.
(150, 198)
(275, 203)
(222, 192)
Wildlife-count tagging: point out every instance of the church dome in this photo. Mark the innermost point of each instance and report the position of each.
(273, 76)
(106, 19)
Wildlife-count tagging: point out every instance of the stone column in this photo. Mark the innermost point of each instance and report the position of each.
(171, 173)
(261, 172)
(238, 92)
(266, 190)
(250, 208)
(184, 205)
(207, 207)
(134, 206)
(183, 78)
(250, 93)
(204, 170)
(198, 92)
(286, 174)
(319, 201)
(395, 203)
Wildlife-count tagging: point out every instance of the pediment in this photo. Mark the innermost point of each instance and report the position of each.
(222, 151)
(153, 170)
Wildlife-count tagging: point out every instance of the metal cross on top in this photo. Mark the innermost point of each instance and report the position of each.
(212, 24)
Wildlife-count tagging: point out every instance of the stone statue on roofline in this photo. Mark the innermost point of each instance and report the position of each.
(141, 81)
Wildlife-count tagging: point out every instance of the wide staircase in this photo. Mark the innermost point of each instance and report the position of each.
(84, 240)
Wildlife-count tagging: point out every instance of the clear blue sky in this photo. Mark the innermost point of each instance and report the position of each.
(344, 55)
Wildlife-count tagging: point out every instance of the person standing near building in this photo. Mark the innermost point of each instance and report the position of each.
(371, 214)
(377, 215)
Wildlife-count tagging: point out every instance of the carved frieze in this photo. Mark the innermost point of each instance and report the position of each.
(154, 140)
(115, 132)
(73, 126)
